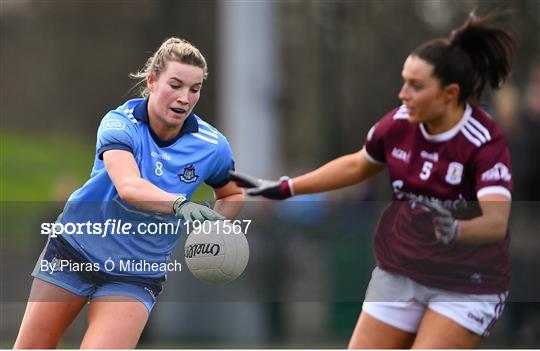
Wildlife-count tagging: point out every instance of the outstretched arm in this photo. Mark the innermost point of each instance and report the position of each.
(343, 171)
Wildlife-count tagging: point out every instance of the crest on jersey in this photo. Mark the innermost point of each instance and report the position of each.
(189, 175)
(454, 173)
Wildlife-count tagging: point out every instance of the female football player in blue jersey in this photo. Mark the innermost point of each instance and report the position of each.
(152, 153)
(442, 272)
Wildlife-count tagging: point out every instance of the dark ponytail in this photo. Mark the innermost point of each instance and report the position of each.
(475, 55)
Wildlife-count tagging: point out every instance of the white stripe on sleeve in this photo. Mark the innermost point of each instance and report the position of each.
(494, 189)
(371, 159)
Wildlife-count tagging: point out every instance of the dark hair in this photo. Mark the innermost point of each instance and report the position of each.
(475, 55)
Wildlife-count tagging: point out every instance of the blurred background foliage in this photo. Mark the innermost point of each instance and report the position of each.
(65, 64)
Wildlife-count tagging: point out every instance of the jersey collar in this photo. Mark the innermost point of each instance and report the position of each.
(449, 134)
(140, 112)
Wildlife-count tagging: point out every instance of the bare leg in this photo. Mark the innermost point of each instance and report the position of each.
(49, 312)
(439, 332)
(371, 333)
(114, 322)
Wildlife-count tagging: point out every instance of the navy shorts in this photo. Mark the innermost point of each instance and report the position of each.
(60, 264)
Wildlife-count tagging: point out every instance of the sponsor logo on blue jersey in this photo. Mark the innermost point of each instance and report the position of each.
(118, 125)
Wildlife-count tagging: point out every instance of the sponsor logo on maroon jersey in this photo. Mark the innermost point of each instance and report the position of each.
(498, 172)
(401, 154)
(397, 185)
(430, 156)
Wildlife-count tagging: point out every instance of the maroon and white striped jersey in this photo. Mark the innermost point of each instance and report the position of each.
(454, 168)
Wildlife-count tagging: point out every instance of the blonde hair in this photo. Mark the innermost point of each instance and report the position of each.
(172, 49)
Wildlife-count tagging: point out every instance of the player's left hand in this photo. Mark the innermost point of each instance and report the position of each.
(272, 189)
(446, 227)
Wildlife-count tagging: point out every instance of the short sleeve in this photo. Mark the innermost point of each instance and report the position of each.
(223, 163)
(116, 132)
(493, 169)
(374, 147)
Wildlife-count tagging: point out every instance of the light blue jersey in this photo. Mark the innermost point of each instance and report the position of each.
(198, 154)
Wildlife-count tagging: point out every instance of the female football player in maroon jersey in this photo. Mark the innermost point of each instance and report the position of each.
(442, 272)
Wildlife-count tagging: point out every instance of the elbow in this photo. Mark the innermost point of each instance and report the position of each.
(230, 206)
(501, 235)
(500, 231)
(241, 199)
(238, 200)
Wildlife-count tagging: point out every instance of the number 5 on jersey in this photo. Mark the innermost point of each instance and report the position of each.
(426, 170)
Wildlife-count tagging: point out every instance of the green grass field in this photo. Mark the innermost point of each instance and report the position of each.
(33, 167)
(38, 172)
(48, 167)
(35, 170)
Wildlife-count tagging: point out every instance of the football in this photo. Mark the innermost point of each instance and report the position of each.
(215, 255)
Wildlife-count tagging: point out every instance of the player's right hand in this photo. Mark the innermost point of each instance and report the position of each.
(272, 189)
(191, 211)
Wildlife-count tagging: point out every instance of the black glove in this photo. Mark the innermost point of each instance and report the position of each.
(446, 226)
(277, 190)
